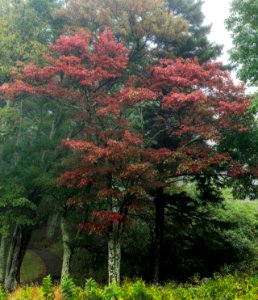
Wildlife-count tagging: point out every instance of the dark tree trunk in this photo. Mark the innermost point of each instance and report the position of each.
(26, 233)
(17, 248)
(159, 233)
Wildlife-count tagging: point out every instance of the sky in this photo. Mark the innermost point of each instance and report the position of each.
(216, 11)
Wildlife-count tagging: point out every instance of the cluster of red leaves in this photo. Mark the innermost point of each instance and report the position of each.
(76, 59)
(237, 170)
(121, 157)
(198, 104)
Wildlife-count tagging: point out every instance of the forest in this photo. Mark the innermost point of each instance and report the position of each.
(128, 152)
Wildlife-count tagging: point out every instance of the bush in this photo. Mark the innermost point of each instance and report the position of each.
(3, 294)
(69, 289)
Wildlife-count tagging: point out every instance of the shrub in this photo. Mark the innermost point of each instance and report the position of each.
(92, 291)
(69, 289)
(47, 288)
(3, 294)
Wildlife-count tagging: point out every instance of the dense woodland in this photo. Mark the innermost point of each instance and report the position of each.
(126, 148)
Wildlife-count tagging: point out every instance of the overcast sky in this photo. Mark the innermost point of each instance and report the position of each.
(216, 11)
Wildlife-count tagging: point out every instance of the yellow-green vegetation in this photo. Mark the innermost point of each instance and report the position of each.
(32, 267)
(229, 287)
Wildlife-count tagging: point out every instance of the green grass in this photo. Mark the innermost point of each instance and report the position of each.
(32, 267)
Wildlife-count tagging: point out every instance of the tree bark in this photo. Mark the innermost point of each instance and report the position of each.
(67, 250)
(3, 245)
(26, 233)
(159, 232)
(114, 247)
(114, 254)
(52, 224)
(11, 263)
(17, 247)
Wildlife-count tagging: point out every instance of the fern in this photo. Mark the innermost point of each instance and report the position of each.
(3, 294)
(112, 292)
(48, 288)
(69, 289)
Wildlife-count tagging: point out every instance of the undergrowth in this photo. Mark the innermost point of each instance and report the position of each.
(229, 287)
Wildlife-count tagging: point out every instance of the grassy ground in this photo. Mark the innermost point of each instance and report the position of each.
(32, 267)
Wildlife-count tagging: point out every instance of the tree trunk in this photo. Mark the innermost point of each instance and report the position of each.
(159, 233)
(114, 247)
(3, 245)
(68, 251)
(12, 261)
(52, 225)
(26, 233)
(114, 254)
(17, 247)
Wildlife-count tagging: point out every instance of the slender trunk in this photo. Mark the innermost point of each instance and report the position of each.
(12, 260)
(67, 250)
(114, 248)
(3, 245)
(159, 233)
(53, 221)
(114, 254)
(11, 250)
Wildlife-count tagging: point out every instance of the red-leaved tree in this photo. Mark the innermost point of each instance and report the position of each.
(86, 73)
(197, 106)
(185, 108)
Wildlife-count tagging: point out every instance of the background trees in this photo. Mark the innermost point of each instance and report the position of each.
(244, 25)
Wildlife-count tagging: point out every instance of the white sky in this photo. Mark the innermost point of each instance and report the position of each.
(216, 11)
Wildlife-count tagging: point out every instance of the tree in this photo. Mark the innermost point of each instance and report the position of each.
(243, 24)
(196, 43)
(30, 130)
(198, 105)
(110, 164)
(183, 104)
(141, 25)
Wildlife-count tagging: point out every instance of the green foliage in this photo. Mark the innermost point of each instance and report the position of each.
(48, 288)
(10, 119)
(197, 43)
(92, 291)
(236, 286)
(15, 208)
(136, 290)
(243, 23)
(3, 293)
(69, 288)
(243, 235)
(112, 292)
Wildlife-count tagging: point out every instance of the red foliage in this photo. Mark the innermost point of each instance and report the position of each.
(193, 106)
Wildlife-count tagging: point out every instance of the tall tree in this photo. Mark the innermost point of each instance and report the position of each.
(198, 105)
(243, 24)
(29, 130)
(87, 78)
(141, 25)
(196, 43)
(193, 105)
